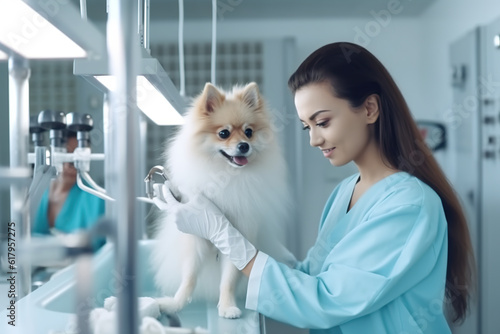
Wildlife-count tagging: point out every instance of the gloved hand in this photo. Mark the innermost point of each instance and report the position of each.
(200, 216)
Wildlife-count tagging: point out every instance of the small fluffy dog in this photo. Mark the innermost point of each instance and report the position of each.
(227, 150)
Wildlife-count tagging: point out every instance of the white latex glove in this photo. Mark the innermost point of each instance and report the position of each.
(202, 218)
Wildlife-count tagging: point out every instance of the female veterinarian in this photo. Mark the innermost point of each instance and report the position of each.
(393, 240)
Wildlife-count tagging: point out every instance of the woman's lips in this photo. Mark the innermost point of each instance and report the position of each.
(328, 152)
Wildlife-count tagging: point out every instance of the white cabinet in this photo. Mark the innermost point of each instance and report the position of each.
(474, 127)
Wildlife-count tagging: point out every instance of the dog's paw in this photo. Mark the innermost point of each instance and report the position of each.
(169, 305)
(229, 312)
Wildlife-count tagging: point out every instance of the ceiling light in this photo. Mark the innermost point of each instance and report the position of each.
(157, 96)
(3, 55)
(47, 30)
(150, 100)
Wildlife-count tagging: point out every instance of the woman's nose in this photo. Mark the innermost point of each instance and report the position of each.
(315, 139)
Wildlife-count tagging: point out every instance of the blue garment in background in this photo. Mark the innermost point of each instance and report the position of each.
(79, 212)
(377, 268)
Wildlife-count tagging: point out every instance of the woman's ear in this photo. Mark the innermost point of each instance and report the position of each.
(371, 105)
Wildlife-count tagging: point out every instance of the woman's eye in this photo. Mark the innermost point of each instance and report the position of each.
(322, 124)
(305, 127)
(248, 133)
(223, 134)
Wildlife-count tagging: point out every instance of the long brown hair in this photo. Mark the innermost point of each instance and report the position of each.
(354, 74)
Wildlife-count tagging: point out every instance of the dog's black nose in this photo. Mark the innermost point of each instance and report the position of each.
(243, 147)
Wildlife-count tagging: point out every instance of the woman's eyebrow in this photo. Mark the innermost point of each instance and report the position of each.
(313, 116)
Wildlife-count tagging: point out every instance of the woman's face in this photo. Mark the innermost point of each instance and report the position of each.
(341, 132)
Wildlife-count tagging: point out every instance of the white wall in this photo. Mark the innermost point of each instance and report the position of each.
(401, 57)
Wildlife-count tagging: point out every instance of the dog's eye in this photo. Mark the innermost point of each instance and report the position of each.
(223, 134)
(248, 133)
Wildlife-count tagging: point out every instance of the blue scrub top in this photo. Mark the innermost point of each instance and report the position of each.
(79, 212)
(377, 268)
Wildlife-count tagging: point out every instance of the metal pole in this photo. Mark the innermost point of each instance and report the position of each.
(19, 73)
(83, 289)
(123, 56)
(140, 21)
(108, 158)
(146, 24)
(83, 9)
(143, 169)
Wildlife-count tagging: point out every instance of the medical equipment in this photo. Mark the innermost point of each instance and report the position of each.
(37, 137)
(158, 170)
(81, 124)
(56, 122)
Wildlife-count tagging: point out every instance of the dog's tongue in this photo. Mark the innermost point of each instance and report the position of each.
(240, 160)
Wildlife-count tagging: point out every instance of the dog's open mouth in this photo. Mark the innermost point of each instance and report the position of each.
(237, 160)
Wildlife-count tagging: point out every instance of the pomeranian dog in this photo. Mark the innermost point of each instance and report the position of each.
(228, 151)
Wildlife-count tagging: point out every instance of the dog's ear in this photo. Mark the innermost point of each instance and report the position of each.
(251, 95)
(212, 98)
